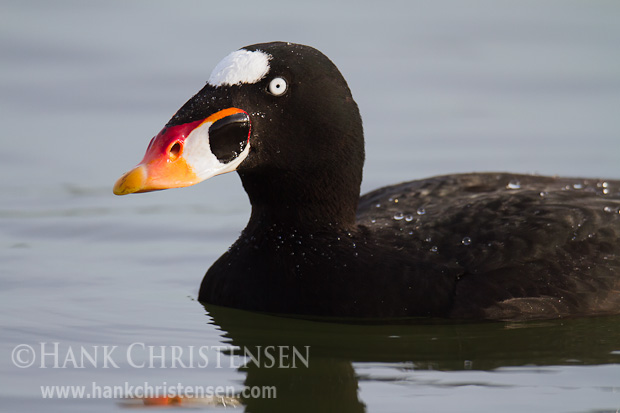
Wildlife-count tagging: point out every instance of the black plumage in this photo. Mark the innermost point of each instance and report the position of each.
(474, 246)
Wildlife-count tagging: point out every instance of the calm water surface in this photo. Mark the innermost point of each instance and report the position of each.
(443, 87)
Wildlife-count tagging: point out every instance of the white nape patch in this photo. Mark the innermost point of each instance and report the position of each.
(200, 158)
(241, 66)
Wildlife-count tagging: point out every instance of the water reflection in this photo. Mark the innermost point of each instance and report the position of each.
(330, 382)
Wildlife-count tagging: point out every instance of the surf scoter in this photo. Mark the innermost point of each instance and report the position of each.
(474, 246)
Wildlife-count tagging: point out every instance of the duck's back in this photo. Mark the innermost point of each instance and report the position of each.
(524, 246)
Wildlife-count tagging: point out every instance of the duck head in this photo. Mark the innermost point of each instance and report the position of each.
(265, 106)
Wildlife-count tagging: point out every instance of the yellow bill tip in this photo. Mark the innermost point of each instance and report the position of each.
(131, 182)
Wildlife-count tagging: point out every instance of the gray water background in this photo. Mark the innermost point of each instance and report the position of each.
(443, 86)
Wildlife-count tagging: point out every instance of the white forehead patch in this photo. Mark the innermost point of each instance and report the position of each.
(241, 66)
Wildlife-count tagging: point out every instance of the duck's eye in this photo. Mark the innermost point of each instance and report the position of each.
(277, 86)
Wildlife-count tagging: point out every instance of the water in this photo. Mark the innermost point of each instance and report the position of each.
(450, 87)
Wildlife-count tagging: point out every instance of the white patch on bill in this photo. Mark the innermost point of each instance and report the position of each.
(200, 158)
(241, 66)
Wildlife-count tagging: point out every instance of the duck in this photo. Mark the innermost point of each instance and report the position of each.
(471, 246)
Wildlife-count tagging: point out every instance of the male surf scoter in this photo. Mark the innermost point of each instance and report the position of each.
(476, 246)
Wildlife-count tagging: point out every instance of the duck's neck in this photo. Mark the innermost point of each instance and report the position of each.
(308, 200)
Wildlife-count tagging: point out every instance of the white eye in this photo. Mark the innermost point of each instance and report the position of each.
(277, 86)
